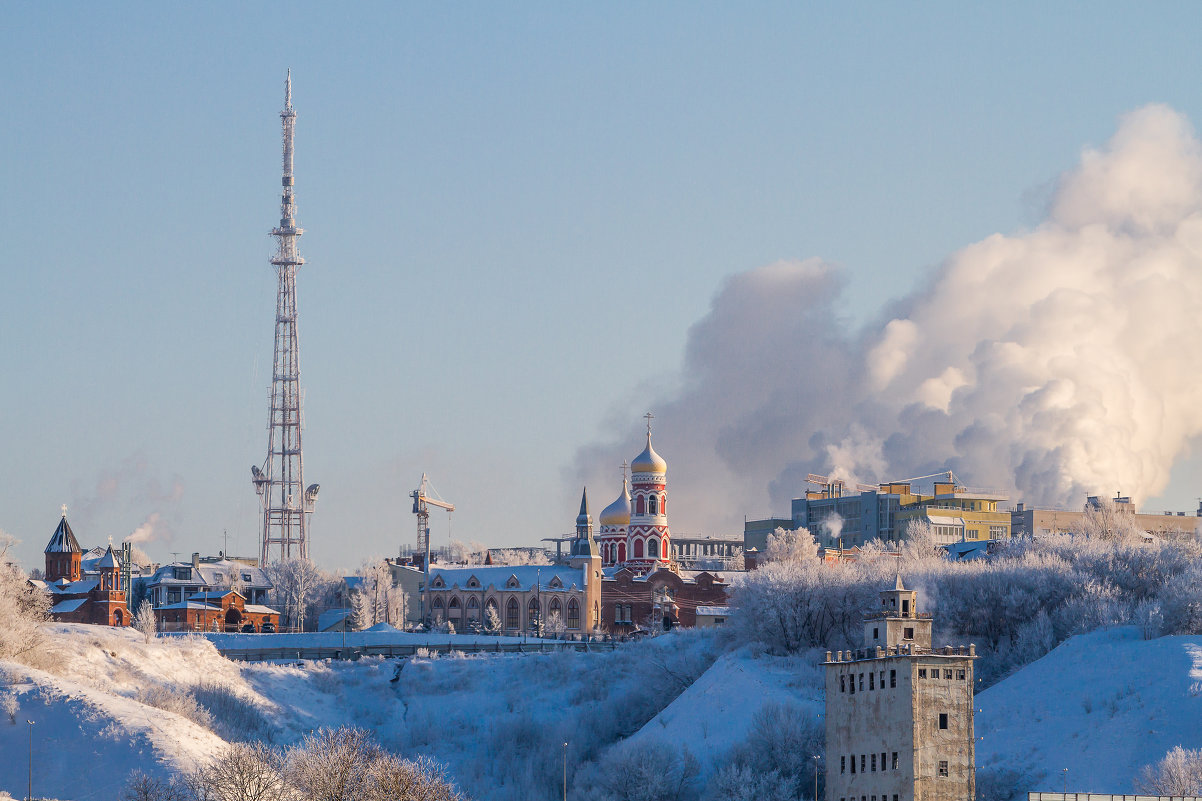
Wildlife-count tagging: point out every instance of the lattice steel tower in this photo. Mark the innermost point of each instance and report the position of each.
(280, 482)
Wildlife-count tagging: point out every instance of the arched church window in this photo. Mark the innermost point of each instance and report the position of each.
(473, 608)
(663, 504)
(653, 548)
(533, 608)
(621, 552)
(555, 606)
(573, 614)
(512, 614)
(437, 603)
(638, 549)
(639, 508)
(652, 505)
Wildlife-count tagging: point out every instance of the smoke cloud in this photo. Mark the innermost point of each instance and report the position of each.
(1051, 363)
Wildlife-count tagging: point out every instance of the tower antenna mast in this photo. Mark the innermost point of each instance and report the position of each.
(280, 482)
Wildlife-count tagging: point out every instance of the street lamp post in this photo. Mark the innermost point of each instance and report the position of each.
(815, 777)
(565, 772)
(29, 792)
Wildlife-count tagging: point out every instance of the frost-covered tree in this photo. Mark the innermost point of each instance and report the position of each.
(382, 601)
(790, 546)
(23, 610)
(294, 581)
(647, 771)
(241, 772)
(520, 556)
(144, 621)
(492, 620)
(1178, 773)
(1105, 520)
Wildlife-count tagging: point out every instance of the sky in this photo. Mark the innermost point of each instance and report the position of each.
(519, 220)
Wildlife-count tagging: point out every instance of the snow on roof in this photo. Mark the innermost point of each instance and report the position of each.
(331, 617)
(68, 606)
(499, 577)
(109, 560)
(259, 609)
(211, 574)
(63, 587)
(189, 605)
(63, 539)
(383, 627)
(215, 594)
(713, 610)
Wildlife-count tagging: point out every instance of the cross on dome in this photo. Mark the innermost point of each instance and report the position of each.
(649, 417)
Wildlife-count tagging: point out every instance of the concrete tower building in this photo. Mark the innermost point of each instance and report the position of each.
(899, 714)
(648, 540)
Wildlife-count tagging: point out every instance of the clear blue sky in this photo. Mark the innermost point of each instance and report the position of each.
(514, 213)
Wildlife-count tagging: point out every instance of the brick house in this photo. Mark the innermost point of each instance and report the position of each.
(662, 598)
(218, 610)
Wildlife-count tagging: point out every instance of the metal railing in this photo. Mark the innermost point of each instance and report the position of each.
(354, 652)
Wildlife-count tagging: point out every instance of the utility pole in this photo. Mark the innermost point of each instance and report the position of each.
(565, 772)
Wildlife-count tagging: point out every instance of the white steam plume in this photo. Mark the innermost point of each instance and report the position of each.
(151, 528)
(1053, 363)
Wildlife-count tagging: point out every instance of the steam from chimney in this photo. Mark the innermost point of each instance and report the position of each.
(1053, 363)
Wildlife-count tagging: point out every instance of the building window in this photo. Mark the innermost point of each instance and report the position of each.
(842, 766)
(892, 678)
(907, 633)
(863, 761)
(473, 608)
(876, 634)
(872, 681)
(894, 763)
(934, 673)
(653, 548)
(943, 768)
(873, 763)
(852, 683)
(943, 720)
(922, 673)
(882, 763)
(574, 614)
(947, 673)
(861, 682)
(652, 505)
(512, 615)
(853, 764)
(638, 549)
(639, 506)
(960, 675)
(842, 683)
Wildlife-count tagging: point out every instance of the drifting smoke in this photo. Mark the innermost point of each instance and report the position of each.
(150, 529)
(1052, 363)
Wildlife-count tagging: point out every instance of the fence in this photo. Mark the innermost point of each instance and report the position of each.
(1107, 797)
(353, 652)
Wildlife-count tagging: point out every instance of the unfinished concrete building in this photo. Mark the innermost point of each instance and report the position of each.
(899, 714)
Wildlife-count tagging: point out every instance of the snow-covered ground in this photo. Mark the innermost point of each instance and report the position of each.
(715, 713)
(1102, 705)
(491, 718)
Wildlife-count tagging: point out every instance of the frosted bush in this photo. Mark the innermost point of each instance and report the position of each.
(1178, 773)
(181, 704)
(10, 706)
(235, 718)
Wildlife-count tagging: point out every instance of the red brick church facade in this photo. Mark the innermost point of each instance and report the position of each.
(74, 598)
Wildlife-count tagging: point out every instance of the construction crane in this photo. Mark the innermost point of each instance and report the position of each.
(421, 502)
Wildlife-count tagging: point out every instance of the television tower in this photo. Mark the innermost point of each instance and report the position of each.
(280, 482)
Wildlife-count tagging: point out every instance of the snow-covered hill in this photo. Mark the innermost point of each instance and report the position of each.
(1102, 705)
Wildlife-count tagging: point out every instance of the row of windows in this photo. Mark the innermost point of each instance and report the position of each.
(960, 673)
(843, 760)
(884, 797)
(616, 552)
(868, 763)
(655, 505)
(512, 610)
(622, 613)
(846, 686)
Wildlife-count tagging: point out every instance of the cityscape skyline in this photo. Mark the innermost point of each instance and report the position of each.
(515, 223)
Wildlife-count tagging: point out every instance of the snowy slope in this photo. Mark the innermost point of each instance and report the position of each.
(715, 713)
(1102, 705)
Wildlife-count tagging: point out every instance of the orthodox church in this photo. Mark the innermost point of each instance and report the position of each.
(96, 596)
(634, 528)
(643, 585)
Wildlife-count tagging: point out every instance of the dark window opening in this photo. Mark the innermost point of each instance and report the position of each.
(872, 681)
(908, 633)
(842, 765)
(922, 673)
(960, 675)
(894, 768)
(892, 678)
(943, 768)
(873, 763)
(853, 764)
(943, 720)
